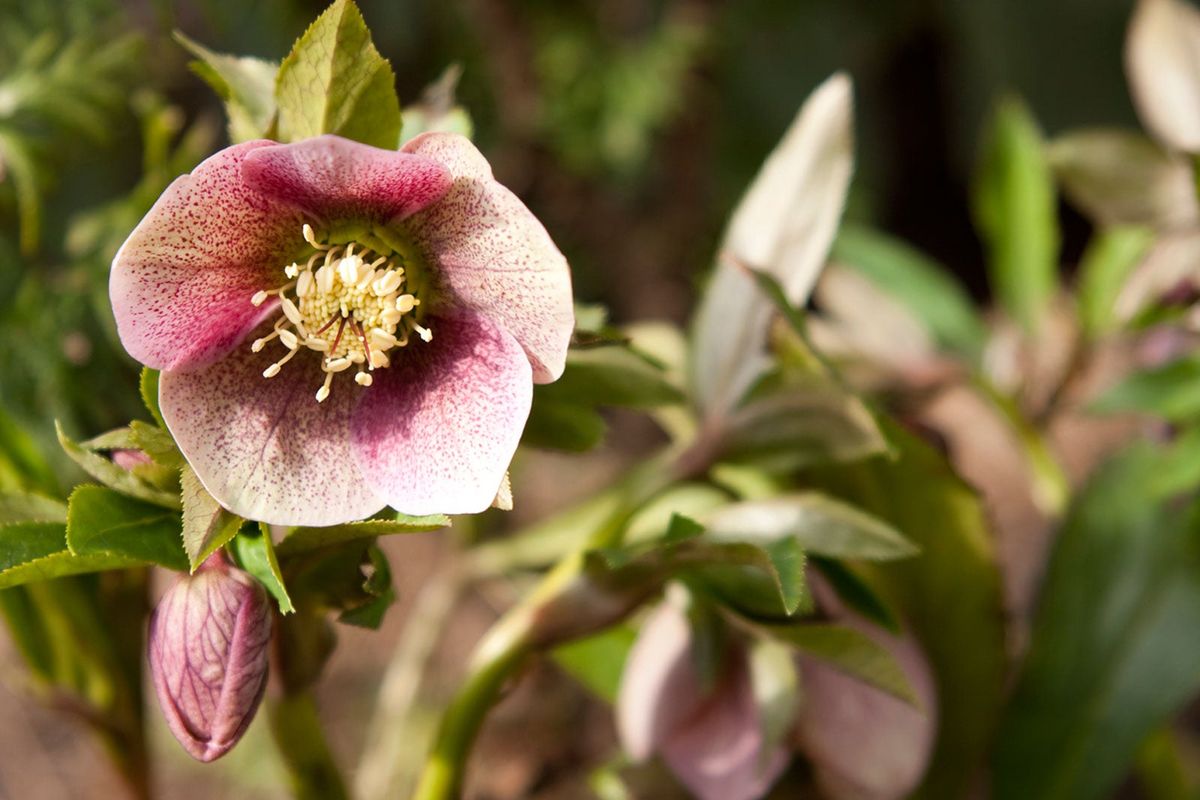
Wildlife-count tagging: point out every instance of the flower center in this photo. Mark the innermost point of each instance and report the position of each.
(352, 305)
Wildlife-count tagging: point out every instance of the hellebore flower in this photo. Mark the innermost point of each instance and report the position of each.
(208, 656)
(272, 268)
(712, 740)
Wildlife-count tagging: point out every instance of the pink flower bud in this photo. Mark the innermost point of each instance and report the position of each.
(208, 655)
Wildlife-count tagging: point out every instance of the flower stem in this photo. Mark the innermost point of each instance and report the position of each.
(301, 741)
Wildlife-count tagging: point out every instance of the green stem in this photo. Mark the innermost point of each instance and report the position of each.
(301, 742)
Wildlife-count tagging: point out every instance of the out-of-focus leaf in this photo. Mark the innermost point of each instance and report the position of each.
(1112, 655)
(114, 477)
(1162, 769)
(858, 595)
(776, 689)
(1108, 261)
(1120, 177)
(103, 522)
(300, 540)
(1016, 212)
(783, 225)
(206, 526)
(1161, 56)
(851, 652)
(950, 594)
(247, 85)
(917, 281)
(685, 501)
(255, 553)
(27, 507)
(611, 376)
(335, 81)
(22, 465)
(801, 426)
(597, 661)
(563, 426)
(1171, 391)
(818, 523)
(380, 593)
(437, 109)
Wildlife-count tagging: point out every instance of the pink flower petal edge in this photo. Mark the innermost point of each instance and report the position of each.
(264, 448)
(437, 430)
(332, 178)
(494, 255)
(181, 284)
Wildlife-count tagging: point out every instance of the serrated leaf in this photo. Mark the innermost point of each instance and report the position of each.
(148, 388)
(22, 542)
(1112, 654)
(818, 523)
(1016, 212)
(256, 554)
(300, 540)
(101, 521)
(247, 85)
(156, 443)
(335, 81)
(849, 651)
(922, 285)
(28, 507)
(116, 439)
(114, 477)
(62, 564)
(206, 525)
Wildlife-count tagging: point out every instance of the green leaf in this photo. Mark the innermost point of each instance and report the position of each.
(1113, 650)
(22, 542)
(62, 564)
(597, 661)
(156, 443)
(335, 81)
(849, 651)
(300, 540)
(857, 594)
(1171, 391)
(113, 476)
(103, 522)
(776, 689)
(247, 85)
(206, 526)
(378, 588)
(148, 387)
(917, 281)
(1108, 261)
(255, 553)
(1016, 213)
(562, 426)
(27, 507)
(611, 376)
(950, 594)
(818, 523)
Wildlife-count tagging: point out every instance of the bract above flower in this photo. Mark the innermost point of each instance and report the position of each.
(270, 270)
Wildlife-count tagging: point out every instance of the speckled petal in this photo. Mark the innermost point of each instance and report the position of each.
(265, 448)
(181, 284)
(437, 430)
(494, 255)
(332, 178)
(718, 753)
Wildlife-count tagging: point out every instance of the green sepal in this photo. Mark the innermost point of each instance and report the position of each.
(255, 553)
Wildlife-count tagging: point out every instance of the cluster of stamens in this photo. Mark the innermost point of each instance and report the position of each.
(350, 306)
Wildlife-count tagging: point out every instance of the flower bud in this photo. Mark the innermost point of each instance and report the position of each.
(208, 656)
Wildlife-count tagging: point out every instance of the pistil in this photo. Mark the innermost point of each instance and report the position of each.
(339, 286)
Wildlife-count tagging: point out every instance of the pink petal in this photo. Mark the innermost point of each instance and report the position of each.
(437, 430)
(494, 255)
(265, 448)
(718, 753)
(181, 284)
(332, 178)
(659, 685)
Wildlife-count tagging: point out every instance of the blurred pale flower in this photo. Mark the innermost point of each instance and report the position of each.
(1162, 60)
(270, 269)
(712, 739)
(208, 656)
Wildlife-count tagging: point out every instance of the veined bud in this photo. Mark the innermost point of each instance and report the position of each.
(208, 656)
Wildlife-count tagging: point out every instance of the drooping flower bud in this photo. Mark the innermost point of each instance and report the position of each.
(208, 656)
